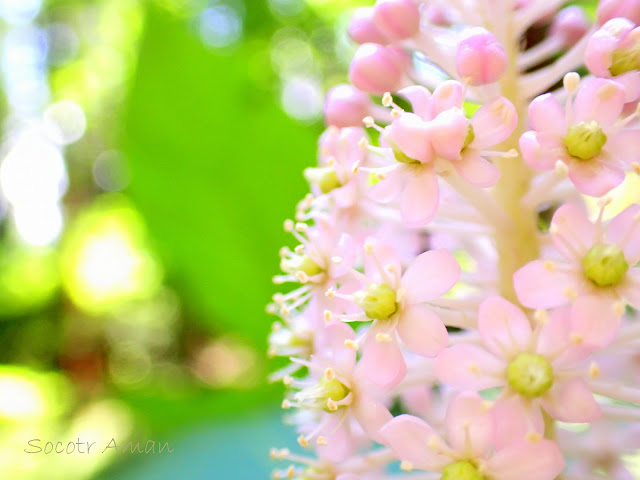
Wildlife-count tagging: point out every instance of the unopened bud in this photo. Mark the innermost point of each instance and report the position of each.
(481, 57)
(345, 106)
(377, 69)
(397, 19)
(362, 28)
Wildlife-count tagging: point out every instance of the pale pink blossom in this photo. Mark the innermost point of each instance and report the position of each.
(337, 395)
(586, 136)
(536, 368)
(438, 131)
(398, 305)
(596, 272)
(469, 448)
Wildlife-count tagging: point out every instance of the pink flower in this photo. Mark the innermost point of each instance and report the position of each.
(470, 450)
(535, 367)
(337, 396)
(398, 307)
(614, 51)
(596, 272)
(438, 131)
(587, 137)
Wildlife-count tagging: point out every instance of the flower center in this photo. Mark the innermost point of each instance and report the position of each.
(471, 136)
(300, 263)
(605, 265)
(530, 375)
(325, 178)
(318, 395)
(378, 301)
(403, 158)
(585, 140)
(625, 60)
(463, 470)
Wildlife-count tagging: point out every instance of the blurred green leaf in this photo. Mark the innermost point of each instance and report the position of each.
(216, 168)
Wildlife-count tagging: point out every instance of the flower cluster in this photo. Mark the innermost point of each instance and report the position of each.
(460, 260)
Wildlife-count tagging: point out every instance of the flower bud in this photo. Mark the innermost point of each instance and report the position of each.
(570, 25)
(397, 19)
(378, 69)
(600, 55)
(437, 15)
(481, 57)
(362, 28)
(345, 106)
(608, 9)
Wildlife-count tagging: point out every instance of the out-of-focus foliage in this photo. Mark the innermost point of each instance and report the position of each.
(150, 151)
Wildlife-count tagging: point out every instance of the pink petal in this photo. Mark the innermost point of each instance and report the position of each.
(419, 98)
(514, 418)
(422, 331)
(594, 319)
(411, 135)
(469, 367)
(348, 476)
(540, 460)
(541, 151)
(340, 443)
(631, 83)
(538, 286)
(493, 123)
(449, 94)
(343, 358)
(468, 421)
(371, 415)
(571, 402)
(346, 250)
(447, 133)
(595, 177)
(571, 231)
(622, 146)
(419, 201)
(387, 189)
(409, 438)
(554, 340)
(547, 115)
(503, 326)
(599, 99)
(630, 289)
(382, 362)
(624, 231)
(430, 275)
(476, 170)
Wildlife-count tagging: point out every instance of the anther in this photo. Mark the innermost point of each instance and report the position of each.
(576, 338)
(368, 122)
(328, 316)
(291, 471)
(336, 260)
(299, 249)
(618, 308)
(286, 404)
(288, 225)
(549, 266)
(302, 277)
(330, 293)
(594, 370)
(541, 316)
(330, 373)
(332, 405)
(571, 81)
(533, 437)
(351, 344)
(387, 99)
(322, 441)
(302, 227)
(406, 466)
(287, 380)
(303, 442)
(383, 337)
